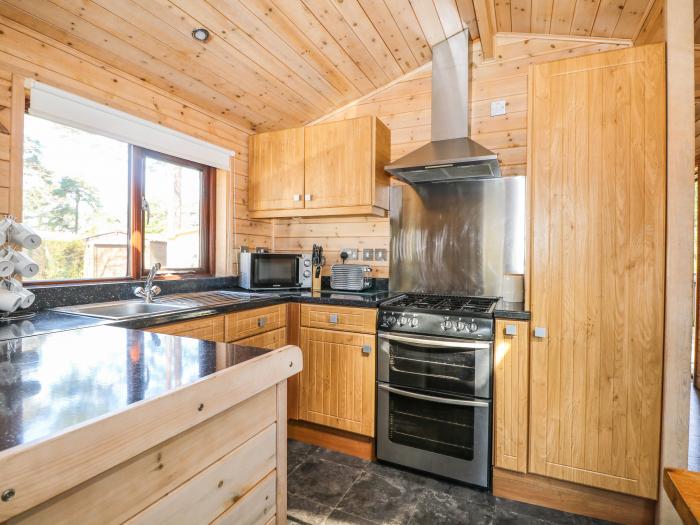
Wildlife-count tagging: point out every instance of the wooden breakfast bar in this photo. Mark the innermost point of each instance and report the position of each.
(190, 431)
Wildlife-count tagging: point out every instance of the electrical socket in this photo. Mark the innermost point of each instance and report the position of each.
(367, 254)
(352, 253)
(498, 107)
(380, 254)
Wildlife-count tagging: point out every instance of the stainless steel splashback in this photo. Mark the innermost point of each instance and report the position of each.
(459, 238)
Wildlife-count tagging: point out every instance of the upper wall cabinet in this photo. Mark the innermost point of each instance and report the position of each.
(336, 168)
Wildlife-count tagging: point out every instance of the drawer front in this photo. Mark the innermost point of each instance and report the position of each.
(270, 340)
(252, 322)
(363, 320)
(208, 328)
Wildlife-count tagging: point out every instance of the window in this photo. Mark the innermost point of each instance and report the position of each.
(110, 210)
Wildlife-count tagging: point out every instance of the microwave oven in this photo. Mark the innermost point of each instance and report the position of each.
(265, 271)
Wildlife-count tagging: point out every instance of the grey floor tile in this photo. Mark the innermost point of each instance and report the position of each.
(338, 517)
(391, 472)
(305, 511)
(343, 459)
(297, 452)
(441, 508)
(322, 481)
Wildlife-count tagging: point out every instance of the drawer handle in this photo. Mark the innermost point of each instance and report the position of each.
(511, 329)
(333, 318)
(540, 332)
(261, 322)
(366, 349)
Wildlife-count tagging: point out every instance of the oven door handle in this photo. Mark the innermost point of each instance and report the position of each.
(444, 401)
(432, 343)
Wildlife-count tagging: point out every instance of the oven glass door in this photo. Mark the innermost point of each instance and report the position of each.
(445, 435)
(443, 365)
(275, 270)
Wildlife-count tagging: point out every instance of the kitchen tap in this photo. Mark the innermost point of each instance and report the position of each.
(149, 290)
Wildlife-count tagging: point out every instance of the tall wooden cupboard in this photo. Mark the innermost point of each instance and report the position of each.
(597, 175)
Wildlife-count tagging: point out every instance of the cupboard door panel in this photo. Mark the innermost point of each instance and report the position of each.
(276, 179)
(271, 340)
(337, 384)
(597, 169)
(511, 377)
(338, 163)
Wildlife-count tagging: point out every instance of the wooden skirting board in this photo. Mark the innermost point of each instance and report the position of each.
(570, 497)
(345, 442)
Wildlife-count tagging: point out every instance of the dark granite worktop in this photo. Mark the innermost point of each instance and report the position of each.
(51, 382)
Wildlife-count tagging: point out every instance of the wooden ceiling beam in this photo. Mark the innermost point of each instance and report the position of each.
(486, 20)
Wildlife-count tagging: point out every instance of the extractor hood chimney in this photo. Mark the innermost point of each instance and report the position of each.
(451, 155)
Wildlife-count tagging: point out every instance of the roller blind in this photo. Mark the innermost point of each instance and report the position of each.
(78, 112)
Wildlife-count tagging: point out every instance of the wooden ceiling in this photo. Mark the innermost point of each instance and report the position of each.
(271, 64)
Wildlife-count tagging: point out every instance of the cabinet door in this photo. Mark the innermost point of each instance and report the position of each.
(337, 386)
(247, 323)
(511, 377)
(598, 178)
(339, 164)
(276, 179)
(271, 340)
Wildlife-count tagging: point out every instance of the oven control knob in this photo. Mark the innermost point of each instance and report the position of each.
(472, 327)
(307, 262)
(390, 320)
(446, 324)
(403, 320)
(461, 326)
(414, 322)
(307, 273)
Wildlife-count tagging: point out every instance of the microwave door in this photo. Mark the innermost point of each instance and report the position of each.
(275, 270)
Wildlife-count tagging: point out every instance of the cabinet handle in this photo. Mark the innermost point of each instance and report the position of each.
(540, 332)
(333, 318)
(261, 322)
(366, 349)
(511, 329)
(308, 197)
(296, 197)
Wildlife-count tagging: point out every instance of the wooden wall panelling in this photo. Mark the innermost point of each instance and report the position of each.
(405, 108)
(511, 395)
(595, 417)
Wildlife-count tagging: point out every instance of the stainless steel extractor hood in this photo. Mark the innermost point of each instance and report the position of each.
(451, 155)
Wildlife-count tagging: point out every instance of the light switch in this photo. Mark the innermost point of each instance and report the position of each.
(511, 329)
(498, 107)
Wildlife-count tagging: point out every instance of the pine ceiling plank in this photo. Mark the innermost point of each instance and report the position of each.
(449, 16)
(168, 46)
(429, 21)
(362, 26)
(503, 14)
(609, 13)
(520, 15)
(468, 16)
(584, 16)
(238, 14)
(248, 74)
(52, 20)
(216, 22)
(631, 18)
(336, 25)
(308, 24)
(486, 19)
(562, 17)
(406, 19)
(381, 18)
(278, 22)
(541, 16)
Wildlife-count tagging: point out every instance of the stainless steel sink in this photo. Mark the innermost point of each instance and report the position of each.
(122, 309)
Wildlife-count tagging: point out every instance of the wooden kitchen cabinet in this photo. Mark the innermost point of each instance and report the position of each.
(206, 328)
(247, 323)
(342, 173)
(598, 183)
(271, 340)
(511, 377)
(342, 318)
(276, 178)
(337, 383)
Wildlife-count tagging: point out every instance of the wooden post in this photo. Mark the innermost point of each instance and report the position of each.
(679, 243)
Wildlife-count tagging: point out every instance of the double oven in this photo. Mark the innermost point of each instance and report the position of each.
(434, 402)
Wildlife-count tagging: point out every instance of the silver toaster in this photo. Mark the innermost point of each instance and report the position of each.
(351, 277)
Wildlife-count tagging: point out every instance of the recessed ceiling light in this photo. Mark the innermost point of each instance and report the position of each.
(200, 34)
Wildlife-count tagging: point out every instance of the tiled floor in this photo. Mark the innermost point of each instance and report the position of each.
(326, 487)
(694, 434)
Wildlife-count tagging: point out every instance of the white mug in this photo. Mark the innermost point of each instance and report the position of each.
(5, 226)
(15, 286)
(9, 301)
(7, 267)
(24, 265)
(24, 236)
